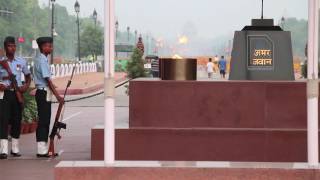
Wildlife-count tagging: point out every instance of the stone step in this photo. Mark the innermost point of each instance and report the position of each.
(211, 144)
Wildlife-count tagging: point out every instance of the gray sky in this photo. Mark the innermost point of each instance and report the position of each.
(209, 18)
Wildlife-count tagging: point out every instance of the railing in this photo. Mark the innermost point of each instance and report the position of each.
(64, 70)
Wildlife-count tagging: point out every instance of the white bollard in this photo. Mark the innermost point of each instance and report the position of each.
(53, 71)
(66, 69)
(62, 72)
(70, 69)
(87, 67)
(57, 70)
(78, 69)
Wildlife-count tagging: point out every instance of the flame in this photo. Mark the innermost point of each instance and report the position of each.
(183, 40)
(176, 56)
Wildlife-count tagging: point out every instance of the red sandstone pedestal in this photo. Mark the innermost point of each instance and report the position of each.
(212, 121)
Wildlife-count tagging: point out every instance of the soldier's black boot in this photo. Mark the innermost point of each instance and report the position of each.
(3, 156)
(15, 154)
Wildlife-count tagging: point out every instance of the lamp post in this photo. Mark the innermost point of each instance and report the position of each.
(283, 20)
(147, 44)
(77, 9)
(135, 36)
(117, 31)
(52, 26)
(95, 17)
(128, 30)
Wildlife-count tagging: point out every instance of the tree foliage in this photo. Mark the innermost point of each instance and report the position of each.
(32, 21)
(135, 67)
(92, 41)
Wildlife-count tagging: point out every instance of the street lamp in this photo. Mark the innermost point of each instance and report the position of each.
(283, 22)
(77, 9)
(52, 26)
(117, 29)
(95, 16)
(135, 36)
(147, 44)
(128, 30)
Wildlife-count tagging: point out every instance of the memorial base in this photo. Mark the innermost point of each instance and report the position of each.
(212, 121)
(182, 170)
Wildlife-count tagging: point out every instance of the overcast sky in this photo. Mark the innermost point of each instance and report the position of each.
(206, 18)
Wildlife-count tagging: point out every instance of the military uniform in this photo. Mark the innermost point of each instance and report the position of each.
(43, 98)
(11, 110)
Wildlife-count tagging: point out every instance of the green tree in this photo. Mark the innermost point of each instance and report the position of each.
(91, 41)
(135, 67)
(32, 21)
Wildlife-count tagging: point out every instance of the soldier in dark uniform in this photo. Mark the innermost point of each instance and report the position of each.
(12, 109)
(45, 89)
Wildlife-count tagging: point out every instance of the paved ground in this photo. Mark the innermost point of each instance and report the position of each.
(80, 117)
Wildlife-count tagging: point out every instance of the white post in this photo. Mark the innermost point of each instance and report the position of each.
(109, 130)
(313, 84)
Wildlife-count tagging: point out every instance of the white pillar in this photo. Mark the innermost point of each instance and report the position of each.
(313, 85)
(109, 130)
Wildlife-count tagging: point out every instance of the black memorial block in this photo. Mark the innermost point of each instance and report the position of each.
(262, 52)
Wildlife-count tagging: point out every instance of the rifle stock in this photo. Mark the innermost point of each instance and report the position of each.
(55, 130)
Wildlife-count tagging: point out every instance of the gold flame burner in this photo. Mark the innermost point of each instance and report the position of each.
(178, 69)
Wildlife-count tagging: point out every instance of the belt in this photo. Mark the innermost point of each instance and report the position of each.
(11, 90)
(42, 89)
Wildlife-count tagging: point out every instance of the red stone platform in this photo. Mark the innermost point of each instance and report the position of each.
(227, 104)
(183, 171)
(212, 121)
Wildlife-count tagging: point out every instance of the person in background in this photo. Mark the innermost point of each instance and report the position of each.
(210, 67)
(215, 62)
(222, 67)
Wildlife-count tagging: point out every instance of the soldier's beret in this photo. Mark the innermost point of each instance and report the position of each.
(42, 40)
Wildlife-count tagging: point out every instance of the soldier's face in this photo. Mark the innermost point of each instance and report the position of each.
(10, 48)
(47, 48)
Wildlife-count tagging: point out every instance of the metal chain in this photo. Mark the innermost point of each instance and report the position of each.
(93, 95)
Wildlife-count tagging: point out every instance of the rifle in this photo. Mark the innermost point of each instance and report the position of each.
(14, 82)
(58, 125)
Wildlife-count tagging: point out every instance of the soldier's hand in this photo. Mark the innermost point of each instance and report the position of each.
(2, 87)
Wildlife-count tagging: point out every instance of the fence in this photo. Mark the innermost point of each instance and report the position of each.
(64, 70)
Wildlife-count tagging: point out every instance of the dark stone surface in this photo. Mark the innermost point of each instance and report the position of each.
(230, 104)
(282, 57)
(239, 145)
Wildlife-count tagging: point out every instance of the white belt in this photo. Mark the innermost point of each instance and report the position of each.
(43, 89)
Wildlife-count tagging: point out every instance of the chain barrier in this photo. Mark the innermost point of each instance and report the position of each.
(93, 95)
